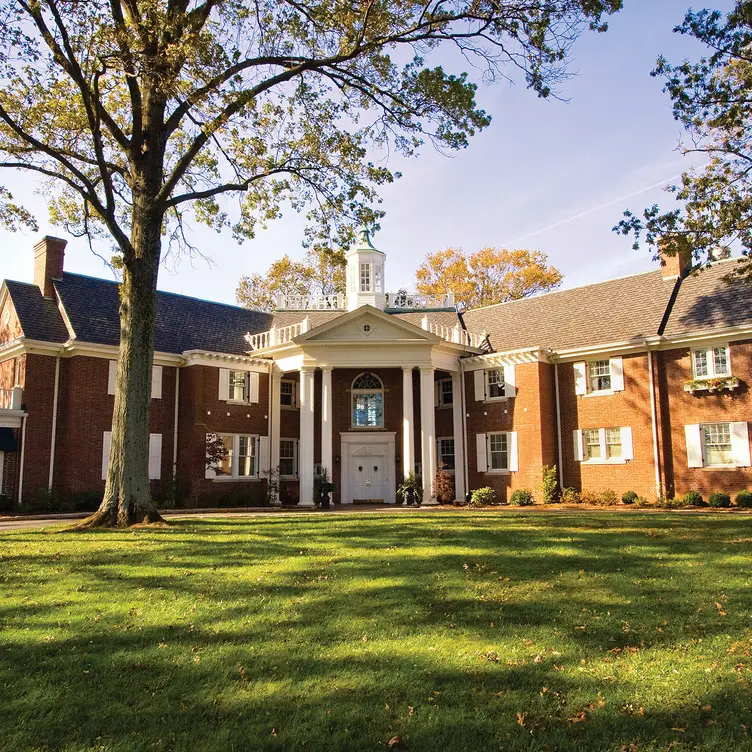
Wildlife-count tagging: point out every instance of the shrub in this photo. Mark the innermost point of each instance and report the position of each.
(551, 492)
(664, 502)
(629, 497)
(522, 497)
(443, 485)
(589, 497)
(609, 498)
(482, 497)
(643, 502)
(744, 499)
(694, 499)
(6, 503)
(570, 496)
(44, 501)
(719, 500)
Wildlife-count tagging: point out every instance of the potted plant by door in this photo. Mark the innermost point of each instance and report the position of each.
(322, 489)
(410, 490)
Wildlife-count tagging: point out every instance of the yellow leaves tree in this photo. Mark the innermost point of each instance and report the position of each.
(487, 277)
(321, 273)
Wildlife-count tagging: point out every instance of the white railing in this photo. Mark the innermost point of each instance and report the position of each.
(455, 334)
(277, 335)
(10, 399)
(335, 302)
(409, 300)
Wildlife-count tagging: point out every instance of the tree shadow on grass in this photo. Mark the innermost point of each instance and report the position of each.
(272, 634)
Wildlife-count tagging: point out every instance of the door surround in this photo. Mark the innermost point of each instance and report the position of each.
(353, 439)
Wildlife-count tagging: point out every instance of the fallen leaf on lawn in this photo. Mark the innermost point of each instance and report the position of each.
(630, 748)
(521, 719)
(410, 710)
(393, 741)
(578, 717)
(679, 729)
(364, 638)
(491, 655)
(274, 732)
(537, 659)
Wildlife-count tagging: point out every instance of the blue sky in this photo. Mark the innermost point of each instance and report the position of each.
(548, 175)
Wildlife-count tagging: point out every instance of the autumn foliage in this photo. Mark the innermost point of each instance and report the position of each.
(489, 276)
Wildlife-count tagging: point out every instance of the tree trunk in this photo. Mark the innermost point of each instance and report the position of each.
(127, 497)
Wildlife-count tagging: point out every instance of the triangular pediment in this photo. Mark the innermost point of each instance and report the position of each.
(367, 324)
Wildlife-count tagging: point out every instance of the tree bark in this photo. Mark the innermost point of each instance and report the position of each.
(127, 497)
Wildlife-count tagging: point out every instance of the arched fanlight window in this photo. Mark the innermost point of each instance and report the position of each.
(367, 401)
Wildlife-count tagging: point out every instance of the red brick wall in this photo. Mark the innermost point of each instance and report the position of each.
(680, 408)
(201, 412)
(85, 413)
(10, 328)
(522, 413)
(37, 397)
(630, 407)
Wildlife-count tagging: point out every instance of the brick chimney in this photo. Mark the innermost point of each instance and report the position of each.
(49, 254)
(676, 256)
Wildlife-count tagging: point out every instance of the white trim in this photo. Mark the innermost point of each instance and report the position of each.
(560, 450)
(155, 456)
(156, 382)
(439, 439)
(740, 443)
(654, 427)
(481, 452)
(693, 442)
(175, 423)
(235, 455)
(53, 432)
(295, 473)
(710, 359)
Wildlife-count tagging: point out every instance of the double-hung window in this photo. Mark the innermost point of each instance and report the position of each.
(239, 385)
(288, 457)
(599, 373)
(603, 445)
(498, 451)
(287, 393)
(711, 363)
(495, 379)
(235, 456)
(716, 441)
(599, 377)
(445, 392)
(446, 453)
(720, 444)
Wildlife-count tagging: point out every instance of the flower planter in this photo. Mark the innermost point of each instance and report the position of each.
(712, 386)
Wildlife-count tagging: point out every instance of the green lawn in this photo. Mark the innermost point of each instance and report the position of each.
(466, 631)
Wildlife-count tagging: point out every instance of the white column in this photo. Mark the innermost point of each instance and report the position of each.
(305, 446)
(427, 434)
(274, 429)
(326, 420)
(408, 423)
(459, 445)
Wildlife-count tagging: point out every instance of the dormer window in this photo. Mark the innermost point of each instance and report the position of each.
(365, 278)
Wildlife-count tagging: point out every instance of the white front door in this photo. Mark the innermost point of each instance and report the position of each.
(368, 472)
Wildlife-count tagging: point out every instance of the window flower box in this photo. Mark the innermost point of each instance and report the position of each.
(720, 384)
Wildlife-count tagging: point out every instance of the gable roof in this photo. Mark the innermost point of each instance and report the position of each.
(707, 300)
(183, 323)
(38, 316)
(619, 310)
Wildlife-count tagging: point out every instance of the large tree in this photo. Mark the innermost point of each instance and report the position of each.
(486, 277)
(141, 114)
(712, 99)
(320, 273)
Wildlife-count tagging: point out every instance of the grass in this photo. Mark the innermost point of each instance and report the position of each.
(464, 631)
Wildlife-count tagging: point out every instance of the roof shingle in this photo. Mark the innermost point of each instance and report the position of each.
(619, 310)
(39, 317)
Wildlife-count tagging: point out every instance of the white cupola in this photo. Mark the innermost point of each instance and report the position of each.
(365, 274)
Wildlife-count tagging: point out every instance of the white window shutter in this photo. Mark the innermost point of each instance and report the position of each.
(514, 464)
(155, 456)
(297, 394)
(693, 437)
(580, 378)
(579, 452)
(156, 382)
(480, 450)
(253, 387)
(740, 444)
(106, 444)
(224, 384)
(627, 452)
(617, 374)
(510, 388)
(480, 385)
(263, 462)
(112, 377)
